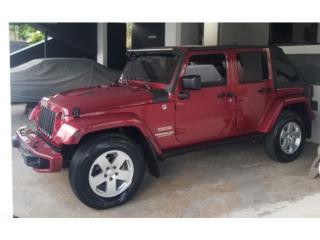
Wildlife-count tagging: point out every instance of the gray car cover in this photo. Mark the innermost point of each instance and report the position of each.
(48, 76)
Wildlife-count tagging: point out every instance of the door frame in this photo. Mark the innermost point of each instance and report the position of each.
(268, 82)
(229, 82)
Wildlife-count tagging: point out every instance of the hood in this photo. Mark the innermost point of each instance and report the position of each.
(101, 98)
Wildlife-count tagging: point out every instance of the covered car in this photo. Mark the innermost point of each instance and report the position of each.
(48, 76)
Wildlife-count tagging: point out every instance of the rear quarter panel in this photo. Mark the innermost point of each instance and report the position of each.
(271, 115)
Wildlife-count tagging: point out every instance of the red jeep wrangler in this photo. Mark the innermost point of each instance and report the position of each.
(167, 101)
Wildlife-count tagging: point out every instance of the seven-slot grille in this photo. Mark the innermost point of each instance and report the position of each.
(46, 120)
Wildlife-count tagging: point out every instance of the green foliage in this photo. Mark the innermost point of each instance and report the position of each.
(22, 31)
(35, 37)
(129, 35)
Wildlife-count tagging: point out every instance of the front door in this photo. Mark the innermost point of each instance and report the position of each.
(207, 113)
(253, 88)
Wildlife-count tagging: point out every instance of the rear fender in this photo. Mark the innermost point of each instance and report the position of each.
(269, 119)
(73, 131)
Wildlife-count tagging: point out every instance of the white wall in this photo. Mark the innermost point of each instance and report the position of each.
(102, 39)
(172, 34)
(303, 49)
(210, 34)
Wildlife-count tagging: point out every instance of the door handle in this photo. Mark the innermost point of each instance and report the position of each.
(224, 95)
(230, 94)
(221, 95)
(264, 90)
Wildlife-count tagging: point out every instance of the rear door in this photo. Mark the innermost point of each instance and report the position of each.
(253, 87)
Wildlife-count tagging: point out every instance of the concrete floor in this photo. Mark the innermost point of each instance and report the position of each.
(236, 180)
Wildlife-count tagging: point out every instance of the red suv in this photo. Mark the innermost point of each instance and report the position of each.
(167, 101)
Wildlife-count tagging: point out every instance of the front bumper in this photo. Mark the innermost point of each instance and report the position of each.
(36, 152)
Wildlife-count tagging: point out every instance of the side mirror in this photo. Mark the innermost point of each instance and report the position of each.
(191, 82)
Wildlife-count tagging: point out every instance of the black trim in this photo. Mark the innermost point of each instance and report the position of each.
(151, 51)
(214, 84)
(223, 47)
(76, 112)
(201, 146)
(152, 159)
(29, 158)
(193, 48)
(159, 95)
(35, 162)
(172, 86)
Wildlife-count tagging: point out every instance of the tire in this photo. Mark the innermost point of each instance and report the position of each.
(275, 143)
(97, 175)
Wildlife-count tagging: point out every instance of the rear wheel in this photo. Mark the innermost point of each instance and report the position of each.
(286, 140)
(106, 171)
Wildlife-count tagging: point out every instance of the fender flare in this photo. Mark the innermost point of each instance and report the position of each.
(72, 132)
(269, 119)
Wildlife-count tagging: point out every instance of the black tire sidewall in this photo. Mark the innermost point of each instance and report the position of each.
(283, 120)
(83, 160)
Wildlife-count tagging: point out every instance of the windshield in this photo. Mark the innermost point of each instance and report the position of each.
(154, 68)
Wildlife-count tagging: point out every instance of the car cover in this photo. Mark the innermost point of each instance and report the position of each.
(47, 76)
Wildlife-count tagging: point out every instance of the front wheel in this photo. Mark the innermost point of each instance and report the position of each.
(286, 140)
(106, 171)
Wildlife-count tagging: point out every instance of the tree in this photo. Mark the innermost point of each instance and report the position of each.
(24, 32)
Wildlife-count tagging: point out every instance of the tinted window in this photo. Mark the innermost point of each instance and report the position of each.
(211, 68)
(153, 68)
(252, 67)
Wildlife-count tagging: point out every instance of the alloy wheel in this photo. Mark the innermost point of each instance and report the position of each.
(111, 173)
(290, 137)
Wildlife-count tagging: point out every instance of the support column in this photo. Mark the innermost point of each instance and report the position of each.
(45, 50)
(210, 34)
(172, 34)
(102, 43)
(318, 37)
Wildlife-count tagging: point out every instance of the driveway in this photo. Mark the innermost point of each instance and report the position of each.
(236, 180)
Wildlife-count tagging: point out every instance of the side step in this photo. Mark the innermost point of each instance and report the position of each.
(201, 146)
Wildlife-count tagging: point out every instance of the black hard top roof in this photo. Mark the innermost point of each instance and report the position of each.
(194, 48)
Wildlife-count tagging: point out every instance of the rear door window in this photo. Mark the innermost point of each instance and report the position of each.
(252, 67)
